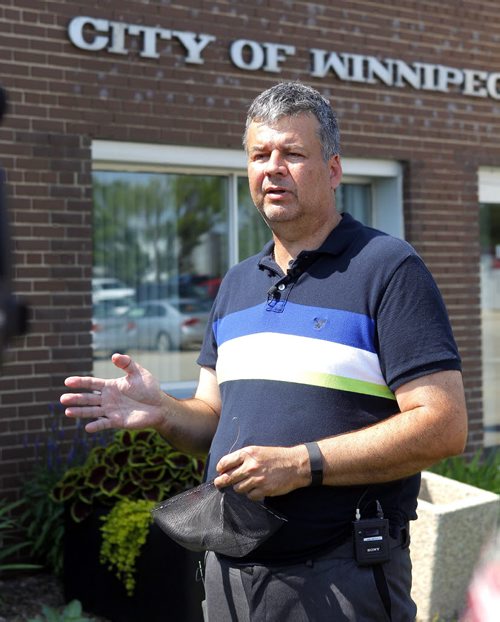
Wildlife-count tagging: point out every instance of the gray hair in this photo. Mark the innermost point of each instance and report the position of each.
(294, 98)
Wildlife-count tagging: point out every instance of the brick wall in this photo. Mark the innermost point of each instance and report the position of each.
(63, 97)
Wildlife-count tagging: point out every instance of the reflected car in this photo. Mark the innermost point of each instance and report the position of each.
(167, 324)
(185, 286)
(109, 329)
(110, 288)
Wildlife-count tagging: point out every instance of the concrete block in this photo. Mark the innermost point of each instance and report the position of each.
(455, 522)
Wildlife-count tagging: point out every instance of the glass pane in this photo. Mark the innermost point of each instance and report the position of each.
(253, 233)
(160, 251)
(356, 200)
(490, 307)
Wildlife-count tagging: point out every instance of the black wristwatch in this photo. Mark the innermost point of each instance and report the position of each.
(316, 460)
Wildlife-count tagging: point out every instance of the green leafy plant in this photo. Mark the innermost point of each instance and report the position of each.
(61, 449)
(71, 613)
(136, 464)
(43, 520)
(124, 533)
(482, 470)
(129, 475)
(9, 547)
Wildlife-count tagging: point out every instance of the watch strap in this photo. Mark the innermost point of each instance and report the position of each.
(316, 461)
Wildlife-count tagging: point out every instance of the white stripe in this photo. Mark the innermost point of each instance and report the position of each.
(288, 357)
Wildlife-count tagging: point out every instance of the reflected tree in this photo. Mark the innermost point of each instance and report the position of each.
(117, 250)
(147, 226)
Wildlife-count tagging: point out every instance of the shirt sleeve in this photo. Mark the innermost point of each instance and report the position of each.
(414, 333)
(208, 352)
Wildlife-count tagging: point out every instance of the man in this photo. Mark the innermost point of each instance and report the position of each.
(329, 378)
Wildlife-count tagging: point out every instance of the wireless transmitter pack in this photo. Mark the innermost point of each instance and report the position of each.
(371, 539)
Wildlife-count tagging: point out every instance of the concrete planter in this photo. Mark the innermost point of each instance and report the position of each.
(455, 522)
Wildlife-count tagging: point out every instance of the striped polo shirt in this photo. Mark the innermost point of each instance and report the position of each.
(319, 351)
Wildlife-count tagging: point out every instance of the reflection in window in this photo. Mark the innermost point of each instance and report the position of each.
(355, 199)
(490, 308)
(160, 251)
(253, 233)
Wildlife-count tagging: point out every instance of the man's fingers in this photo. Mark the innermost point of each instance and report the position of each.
(222, 481)
(99, 425)
(85, 382)
(81, 399)
(244, 486)
(122, 361)
(85, 412)
(230, 461)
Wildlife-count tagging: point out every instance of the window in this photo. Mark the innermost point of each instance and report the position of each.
(157, 237)
(356, 199)
(489, 223)
(166, 229)
(253, 232)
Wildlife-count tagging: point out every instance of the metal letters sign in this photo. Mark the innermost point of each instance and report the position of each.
(93, 35)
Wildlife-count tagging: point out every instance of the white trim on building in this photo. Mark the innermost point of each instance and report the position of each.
(489, 185)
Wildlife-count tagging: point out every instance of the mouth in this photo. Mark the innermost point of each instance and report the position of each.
(275, 191)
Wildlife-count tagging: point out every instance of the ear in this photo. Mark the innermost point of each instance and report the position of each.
(335, 171)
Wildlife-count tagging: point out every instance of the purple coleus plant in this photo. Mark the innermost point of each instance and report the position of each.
(136, 464)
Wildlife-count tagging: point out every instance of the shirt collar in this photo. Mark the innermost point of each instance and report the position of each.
(340, 237)
(335, 244)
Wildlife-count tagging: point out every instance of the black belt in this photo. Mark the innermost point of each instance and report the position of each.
(398, 536)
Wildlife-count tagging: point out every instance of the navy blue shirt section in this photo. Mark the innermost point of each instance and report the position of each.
(319, 351)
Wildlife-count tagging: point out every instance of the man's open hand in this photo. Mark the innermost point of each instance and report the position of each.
(132, 401)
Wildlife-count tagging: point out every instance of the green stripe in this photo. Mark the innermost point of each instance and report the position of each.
(342, 383)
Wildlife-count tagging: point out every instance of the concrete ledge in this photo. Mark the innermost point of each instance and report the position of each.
(455, 521)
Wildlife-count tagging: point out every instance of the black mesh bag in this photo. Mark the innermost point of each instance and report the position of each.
(208, 519)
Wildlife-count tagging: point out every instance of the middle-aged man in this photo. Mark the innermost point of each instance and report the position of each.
(329, 379)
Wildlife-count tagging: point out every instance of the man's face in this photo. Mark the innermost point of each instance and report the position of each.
(288, 177)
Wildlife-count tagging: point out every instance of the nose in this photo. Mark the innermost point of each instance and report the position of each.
(275, 164)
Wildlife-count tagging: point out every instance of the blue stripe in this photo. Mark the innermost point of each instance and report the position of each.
(351, 329)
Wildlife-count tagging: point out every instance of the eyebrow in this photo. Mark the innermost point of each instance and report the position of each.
(287, 146)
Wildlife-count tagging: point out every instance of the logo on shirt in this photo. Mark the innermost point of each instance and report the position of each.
(319, 322)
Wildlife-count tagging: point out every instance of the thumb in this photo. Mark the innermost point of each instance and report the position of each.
(128, 365)
(123, 361)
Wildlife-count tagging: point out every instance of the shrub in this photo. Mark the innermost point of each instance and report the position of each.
(9, 546)
(482, 470)
(63, 448)
(136, 464)
(129, 475)
(124, 533)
